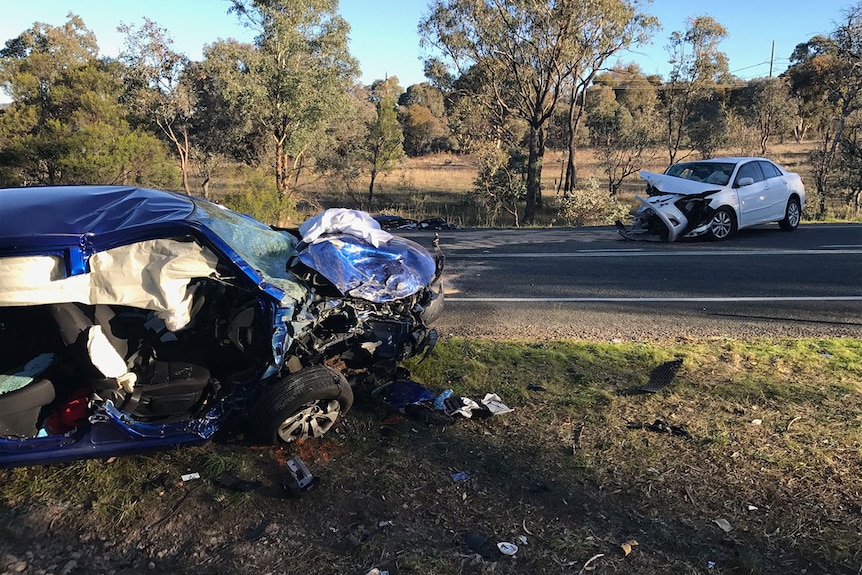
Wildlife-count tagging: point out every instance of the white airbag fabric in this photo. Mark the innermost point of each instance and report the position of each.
(343, 221)
(103, 355)
(153, 275)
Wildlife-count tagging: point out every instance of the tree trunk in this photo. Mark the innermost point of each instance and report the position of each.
(182, 146)
(183, 161)
(184, 168)
(371, 187)
(576, 115)
(571, 177)
(534, 175)
(541, 159)
(571, 172)
(280, 169)
(821, 178)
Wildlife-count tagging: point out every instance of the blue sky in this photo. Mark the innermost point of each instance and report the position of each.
(384, 39)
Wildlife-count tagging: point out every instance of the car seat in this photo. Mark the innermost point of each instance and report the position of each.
(25, 364)
(127, 370)
(20, 407)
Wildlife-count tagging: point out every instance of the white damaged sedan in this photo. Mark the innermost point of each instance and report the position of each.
(716, 197)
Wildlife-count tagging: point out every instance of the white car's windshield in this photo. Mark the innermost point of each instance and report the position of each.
(709, 172)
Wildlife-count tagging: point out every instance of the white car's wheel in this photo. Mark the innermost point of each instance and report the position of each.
(722, 225)
(792, 215)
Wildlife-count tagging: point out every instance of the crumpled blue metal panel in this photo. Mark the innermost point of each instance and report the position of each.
(395, 270)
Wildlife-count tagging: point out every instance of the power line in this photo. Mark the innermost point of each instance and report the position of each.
(747, 67)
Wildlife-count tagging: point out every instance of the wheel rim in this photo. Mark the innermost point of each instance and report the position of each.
(312, 420)
(793, 214)
(721, 224)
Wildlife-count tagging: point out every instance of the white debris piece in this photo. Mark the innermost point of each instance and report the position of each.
(343, 221)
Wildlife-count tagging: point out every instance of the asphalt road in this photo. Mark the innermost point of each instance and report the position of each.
(590, 283)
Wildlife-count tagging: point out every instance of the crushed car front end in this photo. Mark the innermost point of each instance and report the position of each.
(676, 208)
(370, 306)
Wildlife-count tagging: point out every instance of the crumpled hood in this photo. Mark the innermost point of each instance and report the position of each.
(673, 185)
(396, 269)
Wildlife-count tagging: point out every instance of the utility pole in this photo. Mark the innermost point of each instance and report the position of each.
(771, 58)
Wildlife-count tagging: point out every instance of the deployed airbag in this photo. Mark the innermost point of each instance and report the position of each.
(343, 221)
(153, 274)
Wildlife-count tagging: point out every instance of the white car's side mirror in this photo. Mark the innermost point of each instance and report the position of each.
(745, 182)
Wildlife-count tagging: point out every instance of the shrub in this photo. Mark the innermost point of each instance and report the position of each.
(590, 206)
(257, 196)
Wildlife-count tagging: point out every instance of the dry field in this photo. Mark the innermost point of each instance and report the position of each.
(437, 185)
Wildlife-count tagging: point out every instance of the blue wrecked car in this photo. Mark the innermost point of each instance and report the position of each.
(134, 319)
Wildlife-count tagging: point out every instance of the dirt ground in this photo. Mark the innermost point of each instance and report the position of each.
(399, 501)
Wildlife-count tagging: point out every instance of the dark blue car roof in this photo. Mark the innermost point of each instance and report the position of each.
(78, 210)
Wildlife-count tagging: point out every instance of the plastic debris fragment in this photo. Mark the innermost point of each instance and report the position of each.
(495, 405)
(299, 479)
(662, 376)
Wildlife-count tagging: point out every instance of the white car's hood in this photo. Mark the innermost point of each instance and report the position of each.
(673, 185)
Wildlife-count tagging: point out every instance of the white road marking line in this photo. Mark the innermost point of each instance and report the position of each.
(641, 254)
(743, 299)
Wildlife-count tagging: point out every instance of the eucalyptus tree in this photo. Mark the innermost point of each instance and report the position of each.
(827, 74)
(604, 28)
(473, 115)
(526, 50)
(383, 147)
(155, 90)
(342, 163)
(622, 121)
(65, 124)
(422, 113)
(31, 66)
(221, 125)
(768, 105)
(697, 66)
(296, 79)
(423, 131)
(849, 169)
(426, 95)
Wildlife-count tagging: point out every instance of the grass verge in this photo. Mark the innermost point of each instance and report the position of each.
(748, 462)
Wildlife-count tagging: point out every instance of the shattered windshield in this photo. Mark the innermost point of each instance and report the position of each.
(263, 248)
(709, 172)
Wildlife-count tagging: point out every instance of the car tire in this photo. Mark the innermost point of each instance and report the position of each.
(792, 215)
(304, 404)
(722, 225)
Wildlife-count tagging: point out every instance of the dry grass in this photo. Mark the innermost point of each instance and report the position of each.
(438, 185)
(772, 444)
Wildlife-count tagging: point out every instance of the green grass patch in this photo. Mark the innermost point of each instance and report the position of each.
(768, 437)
